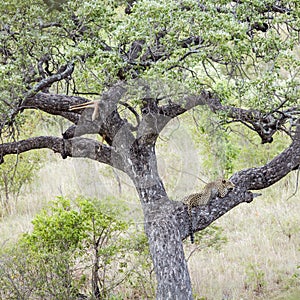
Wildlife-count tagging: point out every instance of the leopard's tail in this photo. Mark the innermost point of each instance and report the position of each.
(191, 226)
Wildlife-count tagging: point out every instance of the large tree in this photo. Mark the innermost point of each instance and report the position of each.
(146, 63)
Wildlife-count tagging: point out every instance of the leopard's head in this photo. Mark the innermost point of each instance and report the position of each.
(227, 184)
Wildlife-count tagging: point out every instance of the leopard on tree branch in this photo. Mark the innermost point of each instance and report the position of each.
(220, 187)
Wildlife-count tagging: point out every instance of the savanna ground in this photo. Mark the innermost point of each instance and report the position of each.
(260, 258)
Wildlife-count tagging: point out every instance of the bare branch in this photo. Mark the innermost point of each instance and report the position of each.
(266, 125)
(276, 169)
(54, 104)
(75, 147)
(173, 110)
(108, 123)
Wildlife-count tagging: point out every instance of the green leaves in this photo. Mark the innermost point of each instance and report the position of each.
(213, 43)
(87, 237)
(59, 229)
(15, 173)
(69, 227)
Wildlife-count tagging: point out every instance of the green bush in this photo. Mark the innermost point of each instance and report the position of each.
(80, 247)
(83, 247)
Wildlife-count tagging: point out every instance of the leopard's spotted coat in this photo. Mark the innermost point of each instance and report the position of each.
(219, 188)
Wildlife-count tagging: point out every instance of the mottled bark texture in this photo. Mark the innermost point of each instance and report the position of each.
(161, 227)
(131, 148)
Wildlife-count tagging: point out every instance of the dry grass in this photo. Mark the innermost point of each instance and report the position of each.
(263, 251)
(259, 261)
(68, 178)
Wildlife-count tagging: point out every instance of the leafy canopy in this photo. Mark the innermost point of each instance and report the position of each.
(246, 51)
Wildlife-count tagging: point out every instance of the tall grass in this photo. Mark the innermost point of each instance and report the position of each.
(70, 178)
(261, 256)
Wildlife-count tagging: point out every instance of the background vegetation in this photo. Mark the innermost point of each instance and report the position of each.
(252, 253)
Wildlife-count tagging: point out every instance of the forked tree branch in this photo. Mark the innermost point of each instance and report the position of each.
(264, 124)
(63, 73)
(54, 104)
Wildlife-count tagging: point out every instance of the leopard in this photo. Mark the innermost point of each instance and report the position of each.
(220, 187)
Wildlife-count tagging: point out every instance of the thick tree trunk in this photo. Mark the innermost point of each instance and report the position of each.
(168, 258)
(162, 229)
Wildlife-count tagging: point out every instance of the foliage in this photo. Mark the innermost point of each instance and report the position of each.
(255, 279)
(76, 242)
(242, 55)
(293, 280)
(220, 150)
(210, 237)
(76, 246)
(244, 52)
(58, 228)
(26, 275)
(142, 278)
(20, 170)
(227, 150)
(231, 54)
(15, 173)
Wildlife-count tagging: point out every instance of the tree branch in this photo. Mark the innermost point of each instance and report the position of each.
(276, 169)
(264, 124)
(64, 72)
(75, 147)
(108, 123)
(188, 102)
(54, 104)
(245, 180)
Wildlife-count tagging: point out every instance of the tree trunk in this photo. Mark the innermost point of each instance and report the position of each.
(162, 229)
(168, 258)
